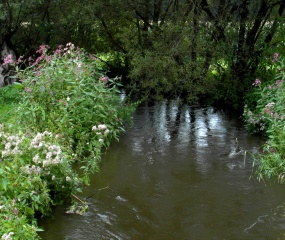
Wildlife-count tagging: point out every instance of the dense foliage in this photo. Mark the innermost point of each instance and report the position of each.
(199, 50)
(267, 116)
(67, 111)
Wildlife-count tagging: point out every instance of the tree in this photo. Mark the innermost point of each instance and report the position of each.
(164, 48)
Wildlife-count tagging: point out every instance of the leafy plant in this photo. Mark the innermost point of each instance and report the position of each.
(68, 93)
(68, 111)
(268, 117)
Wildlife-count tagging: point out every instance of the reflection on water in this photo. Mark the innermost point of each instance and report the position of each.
(179, 173)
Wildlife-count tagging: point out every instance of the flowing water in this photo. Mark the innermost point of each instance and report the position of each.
(179, 173)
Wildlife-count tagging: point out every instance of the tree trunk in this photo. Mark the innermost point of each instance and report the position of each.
(7, 70)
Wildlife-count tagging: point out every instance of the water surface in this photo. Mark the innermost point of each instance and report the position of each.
(178, 173)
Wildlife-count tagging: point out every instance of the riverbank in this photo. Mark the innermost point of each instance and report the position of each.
(63, 113)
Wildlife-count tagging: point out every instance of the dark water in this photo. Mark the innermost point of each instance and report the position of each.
(179, 173)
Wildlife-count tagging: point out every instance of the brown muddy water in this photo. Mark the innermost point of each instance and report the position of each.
(178, 173)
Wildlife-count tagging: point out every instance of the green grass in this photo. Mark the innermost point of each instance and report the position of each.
(9, 100)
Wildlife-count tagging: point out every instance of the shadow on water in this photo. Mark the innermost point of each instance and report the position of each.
(179, 173)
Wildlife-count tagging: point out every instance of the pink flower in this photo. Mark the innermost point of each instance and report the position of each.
(16, 211)
(275, 57)
(19, 60)
(104, 79)
(42, 49)
(256, 83)
(57, 51)
(8, 60)
(28, 90)
(278, 82)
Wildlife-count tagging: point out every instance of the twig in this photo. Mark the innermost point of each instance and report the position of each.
(97, 191)
(77, 198)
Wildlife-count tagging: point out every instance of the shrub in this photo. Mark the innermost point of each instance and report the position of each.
(268, 117)
(68, 93)
(69, 110)
(35, 173)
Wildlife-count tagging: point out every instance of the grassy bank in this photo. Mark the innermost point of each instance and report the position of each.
(63, 112)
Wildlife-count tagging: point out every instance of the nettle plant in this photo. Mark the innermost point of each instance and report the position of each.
(68, 93)
(268, 117)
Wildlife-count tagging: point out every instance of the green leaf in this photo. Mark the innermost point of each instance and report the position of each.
(39, 230)
(29, 210)
(18, 85)
(4, 184)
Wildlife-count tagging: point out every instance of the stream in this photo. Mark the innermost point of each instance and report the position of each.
(179, 172)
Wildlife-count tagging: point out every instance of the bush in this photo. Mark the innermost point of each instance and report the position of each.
(268, 118)
(33, 170)
(68, 94)
(69, 110)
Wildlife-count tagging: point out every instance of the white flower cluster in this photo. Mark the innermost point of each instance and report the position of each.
(8, 236)
(38, 142)
(11, 143)
(101, 129)
(32, 170)
(270, 105)
(48, 155)
(53, 156)
(69, 47)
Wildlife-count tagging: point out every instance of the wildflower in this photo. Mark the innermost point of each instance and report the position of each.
(101, 140)
(58, 135)
(8, 236)
(275, 57)
(278, 82)
(36, 158)
(106, 132)
(67, 179)
(57, 51)
(53, 177)
(94, 128)
(8, 60)
(16, 211)
(42, 49)
(257, 82)
(19, 60)
(270, 105)
(104, 79)
(102, 127)
(67, 99)
(249, 113)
